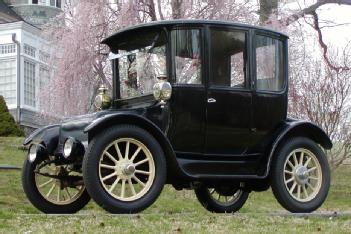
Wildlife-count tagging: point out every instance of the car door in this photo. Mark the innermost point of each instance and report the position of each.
(187, 105)
(229, 97)
(270, 97)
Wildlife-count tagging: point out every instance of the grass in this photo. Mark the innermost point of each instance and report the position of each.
(174, 211)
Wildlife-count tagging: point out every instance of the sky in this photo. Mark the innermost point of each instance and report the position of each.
(340, 35)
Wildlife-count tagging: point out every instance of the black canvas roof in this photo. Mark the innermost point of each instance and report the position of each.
(172, 23)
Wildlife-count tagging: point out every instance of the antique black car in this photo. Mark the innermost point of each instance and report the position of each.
(196, 104)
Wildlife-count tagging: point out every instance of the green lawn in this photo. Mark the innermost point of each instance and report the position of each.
(174, 211)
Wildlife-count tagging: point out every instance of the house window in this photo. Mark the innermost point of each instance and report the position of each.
(8, 49)
(8, 80)
(34, 1)
(29, 83)
(52, 3)
(44, 57)
(58, 3)
(269, 64)
(29, 50)
(44, 76)
(186, 49)
(228, 58)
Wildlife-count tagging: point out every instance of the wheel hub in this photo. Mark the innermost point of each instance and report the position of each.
(301, 174)
(129, 169)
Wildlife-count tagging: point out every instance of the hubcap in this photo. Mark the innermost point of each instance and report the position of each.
(54, 190)
(302, 175)
(126, 169)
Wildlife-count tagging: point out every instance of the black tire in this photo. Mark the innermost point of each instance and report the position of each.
(208, 202)
(91, 171)
(42, 204)
(281, 192)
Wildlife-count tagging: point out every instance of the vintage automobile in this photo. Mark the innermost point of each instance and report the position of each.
(196, 104)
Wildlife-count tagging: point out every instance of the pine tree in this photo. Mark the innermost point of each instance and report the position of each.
(8, 126)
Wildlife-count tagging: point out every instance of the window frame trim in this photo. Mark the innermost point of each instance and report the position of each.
(247, 32)
(172, 71)
(283, 40)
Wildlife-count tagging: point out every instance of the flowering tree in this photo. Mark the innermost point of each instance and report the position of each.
(81, 64)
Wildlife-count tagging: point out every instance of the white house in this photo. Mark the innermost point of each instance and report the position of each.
(24, 56)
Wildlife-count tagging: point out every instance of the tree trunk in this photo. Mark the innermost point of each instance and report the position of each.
(176, 9)
(266, 9)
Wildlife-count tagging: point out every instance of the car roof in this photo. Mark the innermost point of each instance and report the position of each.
(173, 23)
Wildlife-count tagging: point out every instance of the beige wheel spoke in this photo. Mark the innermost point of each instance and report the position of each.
(305, 191)
(135, 154)
(118, 151)
(51, 189)
(313, 178)
(141, 162)
(311, 169)
(58, 193)
(307, 161)
(107, 166)
(69, 195)
(301, 158)
(109, 176)
(290, 164)
(289, 180)
(299, 191)
(113, 186)
(46, 183)
(288, 172)
(142, 172)
(111, 157)
(309, 185)
(212, 191)
(139, 181)
(131, 186)
(123, 189)
(226, 199)
(293, 187)
(295, 159)
(127, 150)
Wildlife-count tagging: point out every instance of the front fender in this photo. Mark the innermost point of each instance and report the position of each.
(48, 135)
(293, 128)
(174, 171)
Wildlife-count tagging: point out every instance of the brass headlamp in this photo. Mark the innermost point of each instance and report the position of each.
(102, 99)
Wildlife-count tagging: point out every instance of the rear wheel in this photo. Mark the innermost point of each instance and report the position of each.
(54, 189)
(124, 169)
(300, 175)
(221, 200)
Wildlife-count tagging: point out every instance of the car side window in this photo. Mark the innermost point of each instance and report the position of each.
(269, 64)
(228, 58)
(187, 57)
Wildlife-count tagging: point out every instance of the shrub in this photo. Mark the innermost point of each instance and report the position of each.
(8, 126)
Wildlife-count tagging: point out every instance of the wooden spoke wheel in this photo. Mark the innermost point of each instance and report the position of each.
(124, 169)
(54, 189)
(300, 175)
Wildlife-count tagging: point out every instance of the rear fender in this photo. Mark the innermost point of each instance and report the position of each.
(295, 128)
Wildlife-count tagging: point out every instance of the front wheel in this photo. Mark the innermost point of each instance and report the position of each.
(300, 175)
(54, 189)
(221, 200)
(124, 169)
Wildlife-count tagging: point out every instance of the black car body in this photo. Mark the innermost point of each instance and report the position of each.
(216, 129)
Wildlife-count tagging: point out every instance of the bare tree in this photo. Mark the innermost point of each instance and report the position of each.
(322, 95)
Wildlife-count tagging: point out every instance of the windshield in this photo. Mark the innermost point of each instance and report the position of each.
(140, 61)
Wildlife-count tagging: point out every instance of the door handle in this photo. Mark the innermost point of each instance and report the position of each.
(211, 100)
